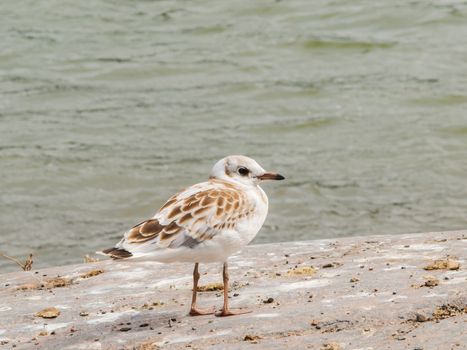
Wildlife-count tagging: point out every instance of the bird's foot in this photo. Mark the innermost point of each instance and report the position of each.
(194, 311)
(232, 312)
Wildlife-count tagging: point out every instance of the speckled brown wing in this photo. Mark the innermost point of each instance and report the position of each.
(150, 229)
(189, 218)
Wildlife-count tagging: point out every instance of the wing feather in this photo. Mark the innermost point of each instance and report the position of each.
(189, 218)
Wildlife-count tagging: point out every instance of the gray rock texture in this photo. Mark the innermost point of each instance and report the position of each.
(374, 292)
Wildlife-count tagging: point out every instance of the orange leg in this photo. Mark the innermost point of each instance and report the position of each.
(226, 311)
(194, 311)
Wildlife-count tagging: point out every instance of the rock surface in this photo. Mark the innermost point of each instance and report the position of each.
(351, 293)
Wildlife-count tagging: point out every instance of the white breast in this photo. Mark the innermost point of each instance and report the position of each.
(248, 228)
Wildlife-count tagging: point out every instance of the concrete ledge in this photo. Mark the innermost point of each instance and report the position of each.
(352, 293)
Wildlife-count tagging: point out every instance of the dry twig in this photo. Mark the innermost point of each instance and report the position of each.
(26, 266)
(90, 259)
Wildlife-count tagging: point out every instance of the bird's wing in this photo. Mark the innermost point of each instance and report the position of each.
(193, 216)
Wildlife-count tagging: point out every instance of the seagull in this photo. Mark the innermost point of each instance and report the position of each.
(204, 223)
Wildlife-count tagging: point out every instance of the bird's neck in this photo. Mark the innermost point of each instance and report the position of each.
(232, 183)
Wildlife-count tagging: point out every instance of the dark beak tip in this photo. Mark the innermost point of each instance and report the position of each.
(271, 176)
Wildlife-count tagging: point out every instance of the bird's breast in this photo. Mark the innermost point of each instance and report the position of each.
(250, 226)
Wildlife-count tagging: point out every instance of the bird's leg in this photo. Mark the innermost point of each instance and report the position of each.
(226, 311)
(194, 311)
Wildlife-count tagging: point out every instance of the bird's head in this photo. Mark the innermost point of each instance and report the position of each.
(242, 170)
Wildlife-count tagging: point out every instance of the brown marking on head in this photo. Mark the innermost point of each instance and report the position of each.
(227, 171)
(175, 211)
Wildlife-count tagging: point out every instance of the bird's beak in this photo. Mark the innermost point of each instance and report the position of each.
(271, 176)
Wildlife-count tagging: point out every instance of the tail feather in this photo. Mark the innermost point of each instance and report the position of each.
(117, 253)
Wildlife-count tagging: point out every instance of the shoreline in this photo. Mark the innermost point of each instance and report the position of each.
(340, 293)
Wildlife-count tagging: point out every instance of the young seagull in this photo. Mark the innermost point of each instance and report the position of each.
(206, 222)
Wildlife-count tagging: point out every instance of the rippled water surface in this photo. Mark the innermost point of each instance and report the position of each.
(108, 107)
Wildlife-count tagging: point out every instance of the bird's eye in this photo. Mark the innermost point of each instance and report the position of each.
(243, 171)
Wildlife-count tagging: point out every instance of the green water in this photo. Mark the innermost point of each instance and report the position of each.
(108, 107)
